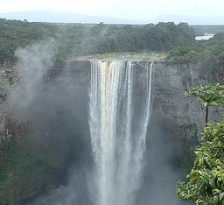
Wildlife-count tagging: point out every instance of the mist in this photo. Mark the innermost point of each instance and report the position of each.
(54, 102)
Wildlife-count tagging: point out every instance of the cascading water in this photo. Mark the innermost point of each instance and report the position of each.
(117, 136)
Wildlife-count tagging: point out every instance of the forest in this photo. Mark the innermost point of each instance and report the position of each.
(81, 39)
(84, 39)
(211, 49)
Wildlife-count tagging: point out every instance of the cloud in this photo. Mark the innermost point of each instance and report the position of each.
(84, 6)
(143, 10)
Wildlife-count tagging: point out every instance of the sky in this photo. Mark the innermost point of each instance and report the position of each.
(140, 11)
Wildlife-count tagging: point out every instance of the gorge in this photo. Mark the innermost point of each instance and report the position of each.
(115, 159)
(121, 93)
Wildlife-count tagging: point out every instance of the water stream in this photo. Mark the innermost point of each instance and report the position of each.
(118, 146)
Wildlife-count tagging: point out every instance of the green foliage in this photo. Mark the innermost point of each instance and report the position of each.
(143, 56)
(201, 29)
(210, 95)
(205, 184)
(27, 166)
(199, 50)
(80, 39)
(14, 34)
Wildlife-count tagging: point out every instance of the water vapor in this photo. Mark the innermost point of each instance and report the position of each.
(33, 63)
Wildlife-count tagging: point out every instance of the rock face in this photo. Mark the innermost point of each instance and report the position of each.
(7, 79)
(175, 128)
(174, 117)
(170, 83)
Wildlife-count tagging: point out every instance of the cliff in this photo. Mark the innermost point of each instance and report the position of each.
(170, 82)
(59, 112)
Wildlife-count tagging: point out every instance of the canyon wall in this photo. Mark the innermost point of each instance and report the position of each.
(59, 112)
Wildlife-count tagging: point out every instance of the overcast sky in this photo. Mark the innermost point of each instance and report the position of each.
(133, 10)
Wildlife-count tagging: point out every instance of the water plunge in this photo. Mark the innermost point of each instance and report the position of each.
(117, 134)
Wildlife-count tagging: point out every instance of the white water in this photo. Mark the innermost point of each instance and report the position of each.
(118, 148)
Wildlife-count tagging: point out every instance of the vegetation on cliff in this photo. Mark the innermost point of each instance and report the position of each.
(26, 170)
(211, 49)
(30, 164)
(209, 95)
(205, 182)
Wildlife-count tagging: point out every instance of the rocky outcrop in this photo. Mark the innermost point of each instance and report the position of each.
(7, 80)
(67, 84)
(170, 82)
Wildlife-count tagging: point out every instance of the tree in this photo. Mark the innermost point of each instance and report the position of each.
(209, 95)
(205, 182)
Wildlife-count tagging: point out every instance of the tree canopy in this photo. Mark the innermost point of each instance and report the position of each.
(211, 49)
(209, 95)
(84, 39)
(205, 182)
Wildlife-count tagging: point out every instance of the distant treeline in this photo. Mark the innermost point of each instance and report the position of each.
(15, 34)
(212, 49)
(210, 54)
(82, 39)
(213, 29)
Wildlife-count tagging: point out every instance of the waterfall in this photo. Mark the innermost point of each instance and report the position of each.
(118, 146)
